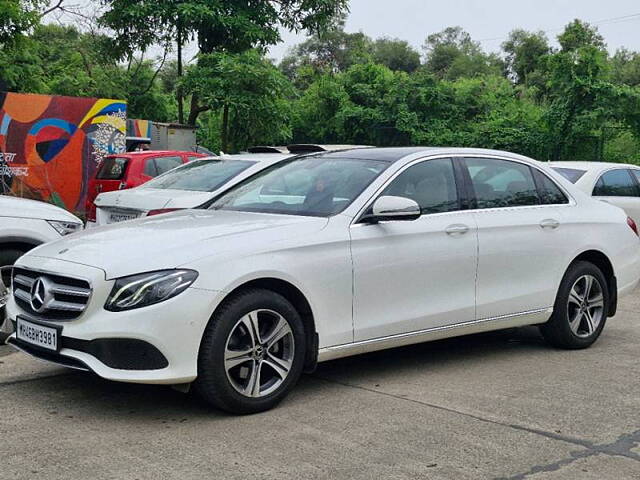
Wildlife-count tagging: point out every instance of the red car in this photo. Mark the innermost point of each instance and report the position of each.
(128, 170)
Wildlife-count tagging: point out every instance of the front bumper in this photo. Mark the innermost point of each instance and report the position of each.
(155, 344)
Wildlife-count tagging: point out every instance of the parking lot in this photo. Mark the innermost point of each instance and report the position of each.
(498, 405)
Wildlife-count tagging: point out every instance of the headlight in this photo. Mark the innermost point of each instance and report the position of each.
(145, 289)
(65, 228)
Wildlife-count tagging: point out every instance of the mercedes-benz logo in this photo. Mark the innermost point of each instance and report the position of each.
(41, 294)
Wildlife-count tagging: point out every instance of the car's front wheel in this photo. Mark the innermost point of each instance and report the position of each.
(581, 308)
(252, 353)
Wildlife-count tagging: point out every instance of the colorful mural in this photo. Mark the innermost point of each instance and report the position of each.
(50, 146)
(139, 128)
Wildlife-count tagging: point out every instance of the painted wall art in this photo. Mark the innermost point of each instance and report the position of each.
(50, 146)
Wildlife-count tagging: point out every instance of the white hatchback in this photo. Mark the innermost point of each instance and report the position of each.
(186, 186)
(327, 256)
(614, 183)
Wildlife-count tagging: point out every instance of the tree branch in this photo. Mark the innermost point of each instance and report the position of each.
(57, 6)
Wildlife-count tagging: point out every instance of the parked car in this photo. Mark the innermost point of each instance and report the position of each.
(25, 224)
(186, 186)
(327, 256)
(614, 183)
(128, 170)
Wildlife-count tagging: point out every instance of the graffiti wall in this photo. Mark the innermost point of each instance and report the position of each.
(50, 145)
(139, 128)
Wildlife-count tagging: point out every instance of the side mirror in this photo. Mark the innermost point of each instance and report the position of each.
(389, 208)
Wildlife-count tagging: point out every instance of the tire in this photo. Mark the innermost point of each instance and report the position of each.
(577, 323)
(230, 384)
(8, 256)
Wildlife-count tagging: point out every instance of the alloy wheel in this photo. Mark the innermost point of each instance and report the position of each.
(259, 353)
(585, 307)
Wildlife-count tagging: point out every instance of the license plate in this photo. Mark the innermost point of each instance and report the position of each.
(36, 334)
(121, 217)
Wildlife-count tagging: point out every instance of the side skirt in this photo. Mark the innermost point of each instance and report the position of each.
(530, 317)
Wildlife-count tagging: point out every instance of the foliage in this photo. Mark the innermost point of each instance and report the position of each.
(250, 94)
(573, 102)
(395, 54)
(60, 60)
(579, 34)
(452, 54)
(525, 54)
(18, 17)
(232, 26)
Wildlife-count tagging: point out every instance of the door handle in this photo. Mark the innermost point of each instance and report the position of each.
(550, 223)
(457, 229)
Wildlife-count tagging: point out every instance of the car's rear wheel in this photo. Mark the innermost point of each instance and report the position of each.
(252, 353)
(581, 308)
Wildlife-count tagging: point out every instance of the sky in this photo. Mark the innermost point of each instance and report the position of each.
(486, 20)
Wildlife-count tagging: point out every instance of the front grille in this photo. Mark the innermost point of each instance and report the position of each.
(65, 298)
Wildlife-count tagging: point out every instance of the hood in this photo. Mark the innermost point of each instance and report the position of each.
(24, 208)
(151, 198)
(174, 239)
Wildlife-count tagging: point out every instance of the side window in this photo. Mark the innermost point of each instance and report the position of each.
(164, 164)
(550, 193)
(502, 183)
(150, 167)
(431, 184)
(615, 183)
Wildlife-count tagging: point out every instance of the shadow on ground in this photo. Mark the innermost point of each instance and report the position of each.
(125, 400)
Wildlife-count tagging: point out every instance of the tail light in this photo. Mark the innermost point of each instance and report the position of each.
(160, 211)
(632, 225)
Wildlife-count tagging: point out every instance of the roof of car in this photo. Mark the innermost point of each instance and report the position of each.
(257, 157)
(394, 154)
(590, 165)
(148, 153)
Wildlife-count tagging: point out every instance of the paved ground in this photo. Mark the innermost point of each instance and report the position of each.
(500, 405)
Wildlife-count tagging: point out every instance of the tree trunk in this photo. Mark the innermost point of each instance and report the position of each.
(224, 133)
(179, 89)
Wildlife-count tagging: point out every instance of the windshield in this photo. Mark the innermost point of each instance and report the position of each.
(571, 174)
(200, 175)
(311, 186)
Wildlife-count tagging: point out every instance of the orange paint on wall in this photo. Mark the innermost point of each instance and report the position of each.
(25, 108)
(61, 174)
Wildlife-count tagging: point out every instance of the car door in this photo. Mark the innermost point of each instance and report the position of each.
(619, 187)
(416, 275)
(520, 237)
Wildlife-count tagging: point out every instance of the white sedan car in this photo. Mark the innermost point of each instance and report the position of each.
(614, 183)
(186, 186)
(327, 256)
(25, 224)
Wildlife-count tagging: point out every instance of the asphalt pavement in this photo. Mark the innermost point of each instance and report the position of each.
(498, 405)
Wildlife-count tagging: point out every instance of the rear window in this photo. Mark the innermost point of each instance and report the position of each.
(571, 174)
(200, 175)
(112, 168)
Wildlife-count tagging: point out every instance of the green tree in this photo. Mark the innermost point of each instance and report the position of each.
(452, 54)
(395, 54)
(60, 60)
(579, 34)
(231, 26)
(329, 51)
(18, 17)
(248, 92)
(525, 55)
(625, 67)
